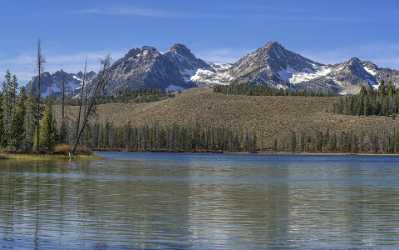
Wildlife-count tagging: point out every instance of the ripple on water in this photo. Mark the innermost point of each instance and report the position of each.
(202, 201)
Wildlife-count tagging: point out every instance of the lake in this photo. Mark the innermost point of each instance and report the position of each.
(201, 201)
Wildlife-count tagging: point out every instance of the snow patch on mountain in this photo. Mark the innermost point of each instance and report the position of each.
(371, 71)
(299, 77)
(219, 76)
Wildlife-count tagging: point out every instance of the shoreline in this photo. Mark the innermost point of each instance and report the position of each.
(46, 157)
(270, 153)
(95, 156)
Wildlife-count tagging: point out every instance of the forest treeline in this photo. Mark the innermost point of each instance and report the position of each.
(262, 90)
(27, 120)
(212, 138)
(28, 123)
(25, 125)
(353, 141)
(173, 138)
(383, 101)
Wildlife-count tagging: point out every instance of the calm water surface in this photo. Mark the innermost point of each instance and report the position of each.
(201, 201)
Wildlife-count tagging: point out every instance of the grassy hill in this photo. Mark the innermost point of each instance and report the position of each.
(272, 116)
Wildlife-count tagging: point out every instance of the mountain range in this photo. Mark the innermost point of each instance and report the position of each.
(51, 84)
(271, 65)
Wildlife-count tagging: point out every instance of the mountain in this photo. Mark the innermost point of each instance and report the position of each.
(185, 61)
(271, 65)
(275, 66)
(146, 67)
(346, 77)
(51, 84)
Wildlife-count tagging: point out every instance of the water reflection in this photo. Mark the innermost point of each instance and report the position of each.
(168, 201)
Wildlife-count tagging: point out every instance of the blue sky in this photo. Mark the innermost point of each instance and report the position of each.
(216, 30)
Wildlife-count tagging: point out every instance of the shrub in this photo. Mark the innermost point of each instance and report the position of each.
(64, 149)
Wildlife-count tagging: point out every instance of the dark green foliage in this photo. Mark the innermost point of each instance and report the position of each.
(3, 141)
(261, 90)
(63, 133)
(48, 130)
(381, 102)
(204, 138)
(8, 106)
(379, 141)
(18, 125)
(174, 138)
(18, 112)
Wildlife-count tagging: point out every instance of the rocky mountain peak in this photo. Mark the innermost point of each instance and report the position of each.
(354, 61)
(355, 66)
(181, 49)
(185, 61)
(273, 45)
(89, 75)
(271, 64)
(51, 83)
(145, 51)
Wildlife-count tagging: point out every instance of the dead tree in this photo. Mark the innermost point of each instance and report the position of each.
(63, 133)
(82, 99)
(90, 99)
(63, 99)
(39, 67)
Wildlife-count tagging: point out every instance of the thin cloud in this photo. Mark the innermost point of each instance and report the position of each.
(264, 8)
(147, 12)
(230, 12)
(128, 11)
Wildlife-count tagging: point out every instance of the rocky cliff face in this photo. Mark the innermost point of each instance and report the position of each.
(51, 84)
(186, 62)
(275, 66)
(142, 68)
(146, 67)
(271, 65)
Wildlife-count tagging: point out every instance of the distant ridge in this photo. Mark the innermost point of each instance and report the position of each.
(272, 65)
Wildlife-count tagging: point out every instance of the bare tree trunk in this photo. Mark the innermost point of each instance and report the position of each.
(63, 101)
(39, 64)
(92, 95)
(81, 102)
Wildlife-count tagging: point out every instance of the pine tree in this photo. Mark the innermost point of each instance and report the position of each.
(48, 129)
(3, 142)
(8, 107)
(293, 142)
(18, 125)
(30, 123)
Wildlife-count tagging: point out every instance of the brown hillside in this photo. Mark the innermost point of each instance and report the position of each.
(272, 116)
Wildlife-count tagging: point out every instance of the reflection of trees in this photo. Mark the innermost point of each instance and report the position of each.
(371, 207)
(7, 193)
(232, 210)
(88, 205)
(140, 203)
